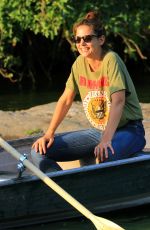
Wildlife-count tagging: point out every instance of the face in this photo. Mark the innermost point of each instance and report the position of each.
(86, 47)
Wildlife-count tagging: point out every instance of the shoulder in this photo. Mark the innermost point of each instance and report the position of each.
(111, 56)
(79, 59)
(78, 62)
(113, 59)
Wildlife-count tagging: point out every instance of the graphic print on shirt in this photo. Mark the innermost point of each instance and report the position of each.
(96, 105)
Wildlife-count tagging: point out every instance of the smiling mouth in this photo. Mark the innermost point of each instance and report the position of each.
(84, 49)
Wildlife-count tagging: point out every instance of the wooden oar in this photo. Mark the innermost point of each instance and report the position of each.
(99, 222)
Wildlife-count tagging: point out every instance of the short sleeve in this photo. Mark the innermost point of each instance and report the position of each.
(117, 74)
(72, 82)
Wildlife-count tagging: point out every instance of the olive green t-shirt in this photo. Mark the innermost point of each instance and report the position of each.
(95, 89)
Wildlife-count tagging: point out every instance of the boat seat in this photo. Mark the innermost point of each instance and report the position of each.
(141, 153)
(87, 161)
(91, 161)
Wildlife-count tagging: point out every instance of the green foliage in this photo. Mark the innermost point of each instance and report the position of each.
(53, 19)
(34, 131)
(43, 17)
(17, 16)
(126, 19)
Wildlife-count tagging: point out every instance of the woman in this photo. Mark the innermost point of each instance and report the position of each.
(109, 100)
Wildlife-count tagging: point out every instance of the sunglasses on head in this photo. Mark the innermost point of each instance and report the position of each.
(86, 38)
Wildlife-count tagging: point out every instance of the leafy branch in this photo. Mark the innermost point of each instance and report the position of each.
(132, 46)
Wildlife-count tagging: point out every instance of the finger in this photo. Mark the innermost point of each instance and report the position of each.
(101, 155)
(106, 152)
(96, 151)
(36, 146)
(40, 149)
(50, 142)
(33, 145)
(43, 147)
(111, 148)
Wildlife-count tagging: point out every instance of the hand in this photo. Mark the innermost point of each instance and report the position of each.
(101, 150)
(43, 143)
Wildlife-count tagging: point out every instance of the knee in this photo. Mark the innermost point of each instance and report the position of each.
(38, 160)
(35, 156)
(44, 163)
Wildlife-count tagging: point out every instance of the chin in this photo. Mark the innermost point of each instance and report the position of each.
(85, 54)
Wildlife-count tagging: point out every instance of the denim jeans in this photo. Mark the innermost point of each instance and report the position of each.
(80, 144)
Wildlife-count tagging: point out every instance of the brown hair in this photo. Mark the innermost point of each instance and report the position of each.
(93, 19)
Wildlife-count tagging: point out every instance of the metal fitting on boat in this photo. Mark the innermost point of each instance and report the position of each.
(20, 165)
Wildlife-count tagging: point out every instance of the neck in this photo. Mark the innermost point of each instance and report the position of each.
(96, 62)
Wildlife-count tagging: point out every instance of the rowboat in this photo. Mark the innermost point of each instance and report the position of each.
(26, 200)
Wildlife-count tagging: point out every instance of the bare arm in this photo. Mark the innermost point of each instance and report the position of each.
(63, 105)
(118, 101)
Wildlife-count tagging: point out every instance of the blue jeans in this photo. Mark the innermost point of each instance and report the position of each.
(80, 144)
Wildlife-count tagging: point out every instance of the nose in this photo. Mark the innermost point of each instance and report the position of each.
(82, 42)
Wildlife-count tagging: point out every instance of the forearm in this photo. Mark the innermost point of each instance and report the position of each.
(59, 114)
(63, 105)
(118, 102)
(61, 110)
(113, 122)
(114, 118)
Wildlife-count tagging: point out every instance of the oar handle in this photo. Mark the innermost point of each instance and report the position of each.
(76, 204)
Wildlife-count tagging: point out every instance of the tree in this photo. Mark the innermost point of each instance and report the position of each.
(24, 23)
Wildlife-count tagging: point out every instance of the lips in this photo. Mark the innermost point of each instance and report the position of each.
(84, 50)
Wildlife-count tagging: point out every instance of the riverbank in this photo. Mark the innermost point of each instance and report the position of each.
(22, 123)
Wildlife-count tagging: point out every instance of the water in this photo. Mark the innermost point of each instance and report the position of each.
(25, 100)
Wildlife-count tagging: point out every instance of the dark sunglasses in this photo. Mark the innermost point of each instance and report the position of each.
(86, 38)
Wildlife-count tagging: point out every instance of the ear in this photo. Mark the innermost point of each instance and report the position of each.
(102, 40)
